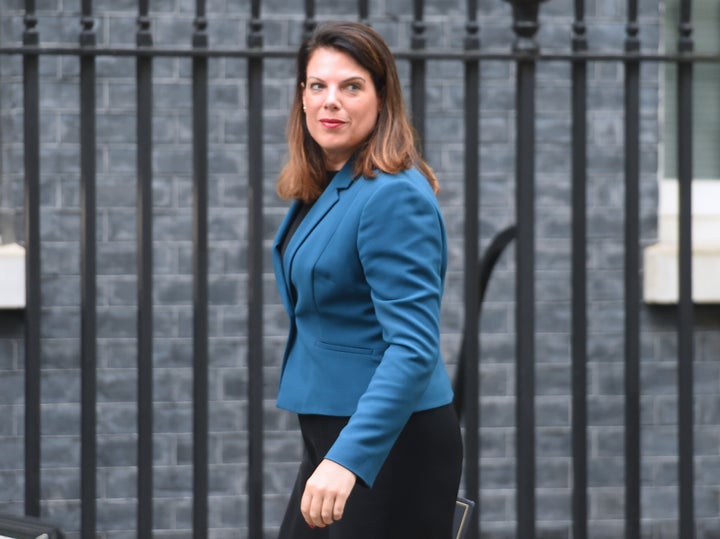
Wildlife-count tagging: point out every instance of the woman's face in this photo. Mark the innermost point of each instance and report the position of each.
(341, 104)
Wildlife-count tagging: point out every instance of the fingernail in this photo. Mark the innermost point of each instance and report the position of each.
(312, 526)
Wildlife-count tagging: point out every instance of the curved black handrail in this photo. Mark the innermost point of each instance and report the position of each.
(486, 265)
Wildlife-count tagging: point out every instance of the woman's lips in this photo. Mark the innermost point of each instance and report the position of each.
(331, 124)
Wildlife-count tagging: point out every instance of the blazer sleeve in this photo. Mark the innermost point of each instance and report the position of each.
(401, 243)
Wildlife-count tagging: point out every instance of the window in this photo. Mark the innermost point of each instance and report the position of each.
(706, 90)
(661, 264)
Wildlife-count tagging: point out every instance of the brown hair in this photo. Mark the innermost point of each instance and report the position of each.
(391, 146)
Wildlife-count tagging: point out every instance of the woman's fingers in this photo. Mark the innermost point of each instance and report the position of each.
(326, 493)
(309, 506)
(314, 513)
(327, 510)
(338, 508)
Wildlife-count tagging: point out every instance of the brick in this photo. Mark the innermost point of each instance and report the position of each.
(554, 505)
(606, 472)
(61, 484)
(553, 441)
(172, 385)
(172, 418)
(553, 473)
(606, 503)
(117, 482)
(116, 418)
(12, 450)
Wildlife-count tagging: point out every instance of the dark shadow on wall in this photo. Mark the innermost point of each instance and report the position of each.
(665, 316)
(12, 322)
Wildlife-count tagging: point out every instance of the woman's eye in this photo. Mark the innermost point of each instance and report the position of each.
(353, 87)
(315, 86)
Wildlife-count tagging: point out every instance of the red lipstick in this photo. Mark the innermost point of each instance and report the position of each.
(331, 123)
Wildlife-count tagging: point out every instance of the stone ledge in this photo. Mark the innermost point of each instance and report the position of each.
(661, 274)
(12, 283)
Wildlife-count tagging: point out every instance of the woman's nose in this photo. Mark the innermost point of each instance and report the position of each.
(331, 98)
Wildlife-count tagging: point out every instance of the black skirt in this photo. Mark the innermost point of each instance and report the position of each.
(413, 495)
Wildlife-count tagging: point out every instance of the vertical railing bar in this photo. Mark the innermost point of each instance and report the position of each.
(144, 123)
(525, 25)
(417, 71)
(685, 320)
(31, 105)
(632, 269)
(200, 275)
(525, 261)
(364, 11)
(88, 458)
(255, 278)
(310, 22)
(472, 210)
(579, 276)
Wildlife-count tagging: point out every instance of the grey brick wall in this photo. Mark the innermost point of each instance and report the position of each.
(172, 25)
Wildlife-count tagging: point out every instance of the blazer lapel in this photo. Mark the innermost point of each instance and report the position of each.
(341, 181)
(283, 262)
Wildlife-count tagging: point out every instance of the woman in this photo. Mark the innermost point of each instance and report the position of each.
(360, 263)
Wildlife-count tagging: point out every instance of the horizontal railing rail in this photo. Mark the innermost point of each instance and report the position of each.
(399, 53)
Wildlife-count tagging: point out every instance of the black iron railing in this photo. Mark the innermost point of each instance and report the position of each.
(525, 54)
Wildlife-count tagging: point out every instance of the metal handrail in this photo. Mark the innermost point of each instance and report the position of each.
(485, 268)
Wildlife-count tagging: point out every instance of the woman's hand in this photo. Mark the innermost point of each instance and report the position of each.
(326, 493)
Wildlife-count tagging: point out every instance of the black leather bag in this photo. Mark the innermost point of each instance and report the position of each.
(22, 527)
(463, 512)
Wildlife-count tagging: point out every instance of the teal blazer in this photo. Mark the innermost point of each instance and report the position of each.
(362, 280)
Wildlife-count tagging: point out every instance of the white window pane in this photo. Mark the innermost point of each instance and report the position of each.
(706, 91)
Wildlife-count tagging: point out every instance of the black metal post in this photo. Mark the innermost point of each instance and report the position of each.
(472, 316)
(31, 105)
(525, 26)
(200, 275)
(686, 316)
(255, 278)
(144, 66)
(363, 11)
(632, 272)
(417, 71)
(310, 22)
(88, 458)
(579, 276)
